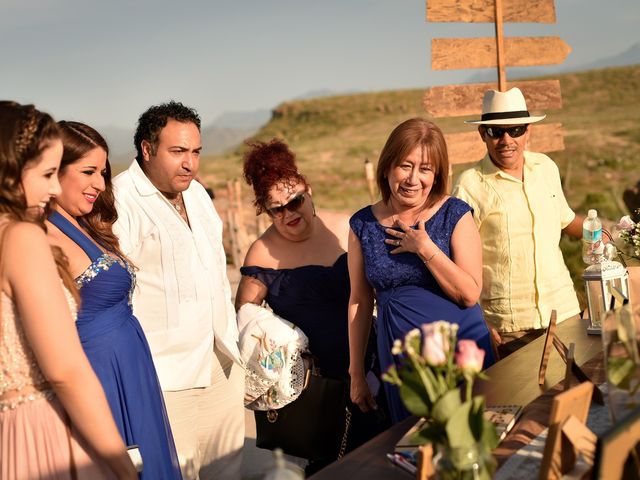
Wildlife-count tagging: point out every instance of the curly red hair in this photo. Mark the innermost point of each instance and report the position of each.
(268, 164)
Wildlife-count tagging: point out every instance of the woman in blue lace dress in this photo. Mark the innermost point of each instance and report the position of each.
(299, 267)
(416, 252)
(110, 334)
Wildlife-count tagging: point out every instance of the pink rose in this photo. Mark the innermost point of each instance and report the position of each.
(469, 356)
(435, 343)
(625, 224)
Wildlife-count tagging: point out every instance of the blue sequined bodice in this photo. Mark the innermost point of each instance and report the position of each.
(106, 286)
(386, 271)
(108, 279)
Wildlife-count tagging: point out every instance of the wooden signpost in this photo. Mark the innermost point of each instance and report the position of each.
(458, 53)
(499, 52)
(458, 100)
(483, 11)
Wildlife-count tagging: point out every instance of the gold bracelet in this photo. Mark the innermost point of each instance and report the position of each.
(426, 262)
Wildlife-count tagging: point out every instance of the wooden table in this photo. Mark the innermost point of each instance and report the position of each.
(513, 380)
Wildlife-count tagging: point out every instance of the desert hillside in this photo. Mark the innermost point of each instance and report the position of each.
(332, 136)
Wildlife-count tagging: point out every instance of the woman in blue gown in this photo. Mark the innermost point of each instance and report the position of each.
(111, 336)
(417, 252)
(299, 267)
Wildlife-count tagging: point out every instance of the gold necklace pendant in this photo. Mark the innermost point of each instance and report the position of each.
(176, 203)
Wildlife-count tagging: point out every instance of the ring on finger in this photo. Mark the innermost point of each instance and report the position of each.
(398, 243)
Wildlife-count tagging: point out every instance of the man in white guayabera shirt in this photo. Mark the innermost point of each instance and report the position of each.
(169, 228)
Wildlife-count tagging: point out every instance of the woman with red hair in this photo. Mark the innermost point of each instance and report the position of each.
(299, 267)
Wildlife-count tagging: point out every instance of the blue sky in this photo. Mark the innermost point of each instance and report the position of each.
(104, 62)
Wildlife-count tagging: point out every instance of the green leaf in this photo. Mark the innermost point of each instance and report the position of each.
(391, 376)
(483, 430)
(620, 371)
(431, 433)
(414, 400)
(458, 428)
(446, 406)
(476, 418)
(423, 376)
(414, 394)
(443, 385)
(433, 382)
(489, 437)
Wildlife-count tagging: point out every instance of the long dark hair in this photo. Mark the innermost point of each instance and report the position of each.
(78, 139)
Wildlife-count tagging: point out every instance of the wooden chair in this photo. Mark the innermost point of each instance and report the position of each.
(551, 342)
(568, 435)
(618, 450)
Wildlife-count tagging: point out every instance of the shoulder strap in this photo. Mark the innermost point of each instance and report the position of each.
(71, 231)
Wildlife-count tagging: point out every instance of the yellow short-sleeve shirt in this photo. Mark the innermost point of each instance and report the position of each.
(520, 223)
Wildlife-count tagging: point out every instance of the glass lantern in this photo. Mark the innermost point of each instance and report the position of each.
(599, 281)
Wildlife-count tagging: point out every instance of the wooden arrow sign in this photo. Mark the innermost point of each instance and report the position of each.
(457, 53)
(459, 100)
(534, 11)
(466, 147)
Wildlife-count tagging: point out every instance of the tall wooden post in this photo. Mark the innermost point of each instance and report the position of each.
(368, 173)
(502, 77)
(499, 52)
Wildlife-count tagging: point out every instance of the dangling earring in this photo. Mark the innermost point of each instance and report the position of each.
(313, 206)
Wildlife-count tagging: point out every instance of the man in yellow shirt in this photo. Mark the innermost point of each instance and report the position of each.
(521, 211)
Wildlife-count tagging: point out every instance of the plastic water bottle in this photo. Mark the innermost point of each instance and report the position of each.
(592, 246)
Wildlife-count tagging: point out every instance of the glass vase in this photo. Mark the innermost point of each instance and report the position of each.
(621, 347)
(463, 463)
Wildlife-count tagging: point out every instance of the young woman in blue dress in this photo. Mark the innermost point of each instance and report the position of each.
(81, 225)
(416, 252)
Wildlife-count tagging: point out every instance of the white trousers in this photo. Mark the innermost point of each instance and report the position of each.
(208, 423)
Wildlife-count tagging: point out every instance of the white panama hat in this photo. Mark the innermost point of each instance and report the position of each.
(505, 108)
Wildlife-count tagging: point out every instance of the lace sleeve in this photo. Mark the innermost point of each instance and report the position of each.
(356, 222)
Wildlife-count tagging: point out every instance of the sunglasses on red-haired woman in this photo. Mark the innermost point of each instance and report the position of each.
(292, 205)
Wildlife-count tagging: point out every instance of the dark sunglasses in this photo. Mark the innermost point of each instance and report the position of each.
(514, 132)
(292, 205)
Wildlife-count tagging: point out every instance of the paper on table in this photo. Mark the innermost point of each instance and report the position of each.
(503, 417)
